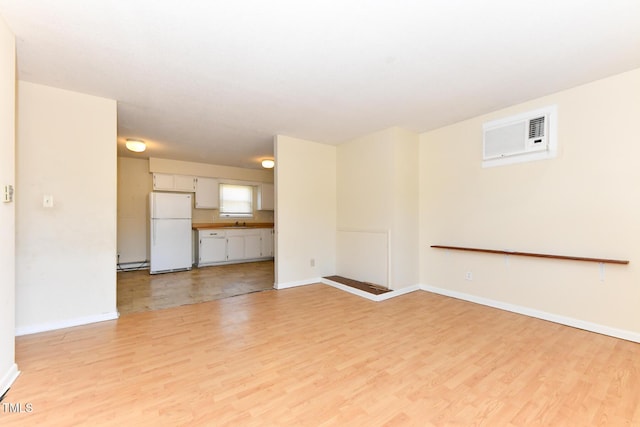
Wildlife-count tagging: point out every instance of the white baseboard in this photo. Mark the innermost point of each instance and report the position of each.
(349, 289)
(369, 296)
(297, 283)
(78, 321)
(398, 292)
(8, 378)
(563, 320)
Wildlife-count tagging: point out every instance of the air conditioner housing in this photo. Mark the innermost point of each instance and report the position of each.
(520, 138)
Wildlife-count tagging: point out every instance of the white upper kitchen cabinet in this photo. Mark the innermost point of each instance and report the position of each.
(266, 197)
(207, 193)
(170, 182)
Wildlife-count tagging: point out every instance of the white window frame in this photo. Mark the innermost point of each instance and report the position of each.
(240, 214)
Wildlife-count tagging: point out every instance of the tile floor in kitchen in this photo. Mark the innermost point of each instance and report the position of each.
(139, 291)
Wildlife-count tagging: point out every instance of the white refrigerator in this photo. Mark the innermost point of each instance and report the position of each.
(170, 233)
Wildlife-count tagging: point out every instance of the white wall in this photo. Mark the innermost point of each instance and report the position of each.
(134, 186)
(377, 179)
(365, 172)
(305, 177)
(65, 255)
(583, 203)
(8, 368)
(406, 206)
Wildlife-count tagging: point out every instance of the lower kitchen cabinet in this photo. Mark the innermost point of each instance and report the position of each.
(235, 247)
(213, 247)
(253, 245)
(227, 246)
(266, 242)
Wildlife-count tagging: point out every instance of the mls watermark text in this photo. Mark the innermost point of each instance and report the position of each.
(16, 408)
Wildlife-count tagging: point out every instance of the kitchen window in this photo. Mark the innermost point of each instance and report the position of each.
(236, 201)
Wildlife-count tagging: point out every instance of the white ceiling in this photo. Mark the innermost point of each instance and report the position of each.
(213, 81)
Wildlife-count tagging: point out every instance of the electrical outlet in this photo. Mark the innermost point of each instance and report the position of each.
(468, 275)
(47, 201)
(312, 262)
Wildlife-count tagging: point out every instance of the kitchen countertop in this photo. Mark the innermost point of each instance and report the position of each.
(209, 225)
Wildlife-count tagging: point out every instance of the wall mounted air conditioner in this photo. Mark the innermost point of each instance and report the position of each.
(520, 138)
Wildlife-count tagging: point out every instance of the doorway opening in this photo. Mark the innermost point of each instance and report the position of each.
(140, 291)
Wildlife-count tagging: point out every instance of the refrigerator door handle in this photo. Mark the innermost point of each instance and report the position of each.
(153, 232)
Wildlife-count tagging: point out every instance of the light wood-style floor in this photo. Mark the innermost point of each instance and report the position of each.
(141, 291)
(316, 356)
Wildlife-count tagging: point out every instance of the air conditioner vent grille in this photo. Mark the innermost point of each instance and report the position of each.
(523, 137)
(536, 127)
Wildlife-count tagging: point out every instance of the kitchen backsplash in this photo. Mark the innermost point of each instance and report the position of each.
(201, 216)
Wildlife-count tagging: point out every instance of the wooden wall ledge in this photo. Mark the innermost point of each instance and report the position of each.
(573, 258)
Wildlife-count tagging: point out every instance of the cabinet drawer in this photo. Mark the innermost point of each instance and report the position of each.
(211, 233)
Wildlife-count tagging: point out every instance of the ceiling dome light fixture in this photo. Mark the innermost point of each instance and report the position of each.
(136, 145)
(268, 163)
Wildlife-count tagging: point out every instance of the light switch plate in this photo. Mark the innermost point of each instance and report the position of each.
(7, 194)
